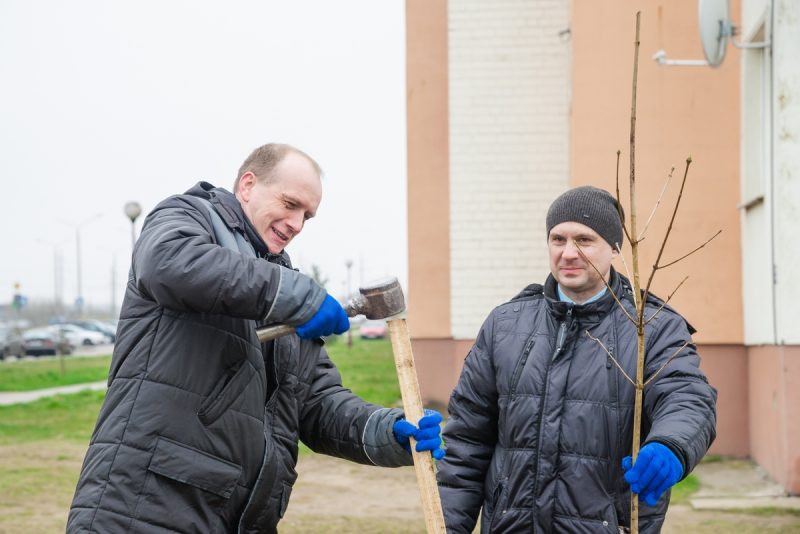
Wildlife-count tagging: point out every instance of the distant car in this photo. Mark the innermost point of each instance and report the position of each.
(373, 329)
(80, 336)
(40, 341)
(98, 326)
(11, 342)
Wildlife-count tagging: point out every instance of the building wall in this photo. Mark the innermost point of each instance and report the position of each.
(757, 213)
(509, 104)
(774, 409)
(727, 368)
(681, 112)
(771, 194)
(786, 140)
(463, 232)
(428, 190)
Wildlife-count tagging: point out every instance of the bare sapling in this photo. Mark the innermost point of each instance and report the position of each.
(640, 295)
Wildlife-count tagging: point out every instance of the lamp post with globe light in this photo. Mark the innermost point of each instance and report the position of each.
(133, 210)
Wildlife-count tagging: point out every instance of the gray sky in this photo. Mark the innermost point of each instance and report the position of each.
(104, 102)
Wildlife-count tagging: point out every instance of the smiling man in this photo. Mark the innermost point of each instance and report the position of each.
(540, 424)
(200, 425)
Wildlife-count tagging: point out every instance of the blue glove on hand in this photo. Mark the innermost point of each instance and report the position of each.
(656, 470)
(329, 319)
(428, 435)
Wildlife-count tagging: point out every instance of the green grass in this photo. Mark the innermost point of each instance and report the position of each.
(64, 417)
(41, 374)
(367, 368)
(683, 490)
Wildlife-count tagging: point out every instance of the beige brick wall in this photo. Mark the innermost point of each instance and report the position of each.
(509, 96)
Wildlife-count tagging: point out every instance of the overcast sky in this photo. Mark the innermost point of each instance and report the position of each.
(102, 103)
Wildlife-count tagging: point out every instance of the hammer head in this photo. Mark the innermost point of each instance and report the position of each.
(378, 300)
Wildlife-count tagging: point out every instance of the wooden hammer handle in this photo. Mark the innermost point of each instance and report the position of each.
(412, 405)
(271, 332)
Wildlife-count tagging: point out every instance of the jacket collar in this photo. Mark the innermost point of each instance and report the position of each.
(591, 311)
(230, 210)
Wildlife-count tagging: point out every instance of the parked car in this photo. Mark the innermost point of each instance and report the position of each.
(97, 326)
(40, 341)
(373, 329)
(11, 342)
(80, 336)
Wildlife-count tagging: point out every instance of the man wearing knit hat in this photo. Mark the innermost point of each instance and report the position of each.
(540, 428)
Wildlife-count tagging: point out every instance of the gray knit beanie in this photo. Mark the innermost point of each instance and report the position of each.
(588, 205)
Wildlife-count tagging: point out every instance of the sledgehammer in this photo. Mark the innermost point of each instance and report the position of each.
(384, 299)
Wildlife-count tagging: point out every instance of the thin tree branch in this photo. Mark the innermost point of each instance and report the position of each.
(638, 386)
(666, 236)
(619, 206)
(692, 252)
(665, 302)
(665, 364)
(621, 370)
(627, 272)
(587, 260)
(658, 202)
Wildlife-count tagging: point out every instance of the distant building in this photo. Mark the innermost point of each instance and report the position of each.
(510, 103)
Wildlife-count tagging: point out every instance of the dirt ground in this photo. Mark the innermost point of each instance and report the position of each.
(331, 496)
(336, 496)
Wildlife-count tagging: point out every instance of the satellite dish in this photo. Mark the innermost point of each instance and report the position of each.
(715, 28)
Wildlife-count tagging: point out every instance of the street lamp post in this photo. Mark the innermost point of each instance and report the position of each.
(58, 275)
(79, 297)
(133, 210)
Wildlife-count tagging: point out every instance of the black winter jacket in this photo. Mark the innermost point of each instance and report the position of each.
(200, 424)
(541, 417)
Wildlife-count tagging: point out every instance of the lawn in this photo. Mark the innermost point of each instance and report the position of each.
(367, 368)
(27, 375)
(42, 443)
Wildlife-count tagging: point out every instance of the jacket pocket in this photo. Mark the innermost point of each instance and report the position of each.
(227, 390)
(195, 468)
(186, 488)
(523, 359)
(497, 500)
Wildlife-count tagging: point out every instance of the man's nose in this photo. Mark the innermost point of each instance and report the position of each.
(296, 221)
(571, 249)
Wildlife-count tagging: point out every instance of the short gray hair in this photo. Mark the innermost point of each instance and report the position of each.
(264, 159)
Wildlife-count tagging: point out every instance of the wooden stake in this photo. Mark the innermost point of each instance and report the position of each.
(412, 405)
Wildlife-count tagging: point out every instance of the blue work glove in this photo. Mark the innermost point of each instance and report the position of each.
(329, 319)
(428, 435)
(656, 470)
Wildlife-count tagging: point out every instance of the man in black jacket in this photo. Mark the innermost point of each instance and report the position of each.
(200, 425)
(540, 425)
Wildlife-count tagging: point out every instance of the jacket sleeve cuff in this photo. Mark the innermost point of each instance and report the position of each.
(380, 445)
(297, 299)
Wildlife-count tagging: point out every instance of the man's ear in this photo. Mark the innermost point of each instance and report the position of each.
(246, 183)
(614, 253)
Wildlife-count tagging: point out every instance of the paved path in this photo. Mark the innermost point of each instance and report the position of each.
(18, 397)
(738, 485)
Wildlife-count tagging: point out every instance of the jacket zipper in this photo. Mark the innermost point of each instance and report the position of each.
(258, 479)
(560, 337)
